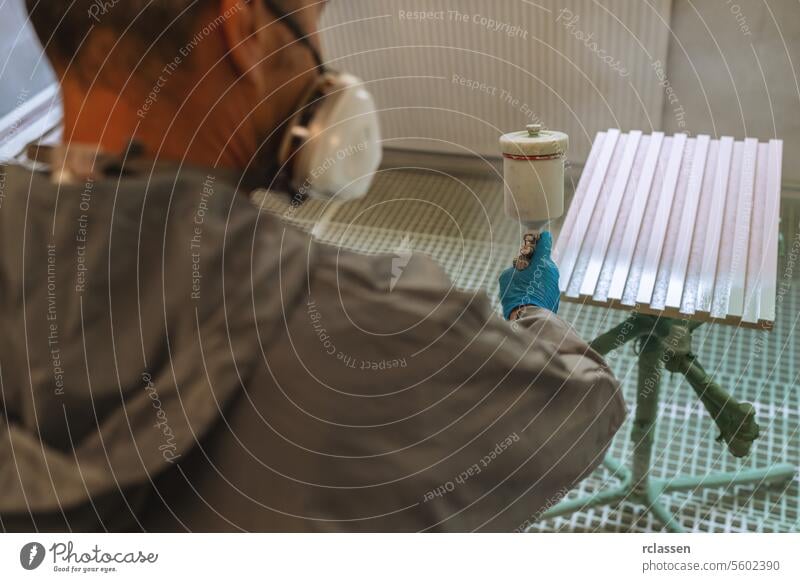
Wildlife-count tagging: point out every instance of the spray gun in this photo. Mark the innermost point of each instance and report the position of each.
(533, 169)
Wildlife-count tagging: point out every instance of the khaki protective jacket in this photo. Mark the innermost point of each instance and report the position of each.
(173, 359)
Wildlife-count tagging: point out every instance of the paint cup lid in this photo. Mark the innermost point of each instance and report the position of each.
(534, 141)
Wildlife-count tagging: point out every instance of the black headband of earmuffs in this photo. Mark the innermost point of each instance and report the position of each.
(292, 25)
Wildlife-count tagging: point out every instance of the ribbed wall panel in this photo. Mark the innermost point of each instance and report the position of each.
(557, 79)
(680, 226)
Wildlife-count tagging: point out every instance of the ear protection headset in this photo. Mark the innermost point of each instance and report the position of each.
(332, 145)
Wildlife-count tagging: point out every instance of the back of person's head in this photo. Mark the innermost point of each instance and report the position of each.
(234, 63)
(79, 35)
(95, 38)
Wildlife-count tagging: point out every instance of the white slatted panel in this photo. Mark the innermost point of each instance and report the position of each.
(679, 226)
(546, 73)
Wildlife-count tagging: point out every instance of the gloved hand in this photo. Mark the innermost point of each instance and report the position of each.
(537, 285)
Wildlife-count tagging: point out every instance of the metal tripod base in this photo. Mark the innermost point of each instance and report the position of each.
(654, 488)
(666, 344)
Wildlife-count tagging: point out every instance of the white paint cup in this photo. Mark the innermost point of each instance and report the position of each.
(533, 167)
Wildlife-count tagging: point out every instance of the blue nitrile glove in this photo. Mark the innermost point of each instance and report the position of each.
(537, 285)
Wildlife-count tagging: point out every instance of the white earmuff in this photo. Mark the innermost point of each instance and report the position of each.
(333, 145)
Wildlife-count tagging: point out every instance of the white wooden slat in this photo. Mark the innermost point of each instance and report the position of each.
(769, 274)
(47, 97)
(688, 219)
(610, 213)
(607, 272)
(29, 122)
(580, 194)
(648, 221)
(752, 303)
(569, 255)
(634, 224)
(741, 243)
(689, 299)
(722, 281)
(663, 211)
(708, 272)
(667, 258)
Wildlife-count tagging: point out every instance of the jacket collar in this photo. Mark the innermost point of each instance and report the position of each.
(79, 163)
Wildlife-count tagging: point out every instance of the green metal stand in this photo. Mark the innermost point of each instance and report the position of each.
(666, 344)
